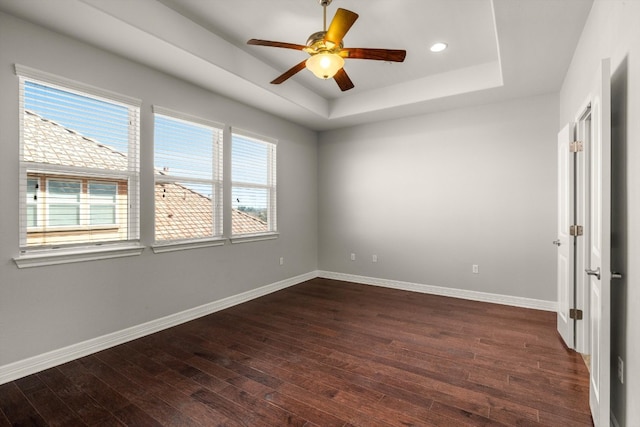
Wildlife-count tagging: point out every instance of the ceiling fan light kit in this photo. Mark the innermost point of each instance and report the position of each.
(327, 52)
(325, 65)
(324, 61)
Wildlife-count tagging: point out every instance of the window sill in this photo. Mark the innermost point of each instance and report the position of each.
(184, 245)
(246, 238)
(40, 258)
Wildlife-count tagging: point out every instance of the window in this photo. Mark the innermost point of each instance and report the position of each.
(63, 203)
(33, 194)
(188, 177)
(78, 164)
(253, 192)
(102, 203)
(65, 200)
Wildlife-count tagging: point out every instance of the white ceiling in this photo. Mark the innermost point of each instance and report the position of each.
(498, 49)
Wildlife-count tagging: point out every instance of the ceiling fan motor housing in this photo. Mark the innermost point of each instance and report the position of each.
(316, 44)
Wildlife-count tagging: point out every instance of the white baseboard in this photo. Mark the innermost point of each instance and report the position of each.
(449, 292)
(32, 365)
(57, 357)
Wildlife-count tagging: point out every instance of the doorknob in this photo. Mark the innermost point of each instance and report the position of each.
(595, 272)
(557, 242)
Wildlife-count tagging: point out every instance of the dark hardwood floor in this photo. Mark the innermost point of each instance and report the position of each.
(323, 353)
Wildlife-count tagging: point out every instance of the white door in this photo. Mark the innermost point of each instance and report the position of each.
(598, 258)
(564, 242)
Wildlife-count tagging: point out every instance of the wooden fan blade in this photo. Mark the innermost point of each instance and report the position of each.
(342, 21)
(258, 42)
(394, 55)
(290, 72)
(343, 80)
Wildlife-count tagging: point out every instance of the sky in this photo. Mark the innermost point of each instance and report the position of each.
(81, 114)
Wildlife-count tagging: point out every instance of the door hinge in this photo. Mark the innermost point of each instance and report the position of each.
(576, 147)
(575, 230)
(576, 314)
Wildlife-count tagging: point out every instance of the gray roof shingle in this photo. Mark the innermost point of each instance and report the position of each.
(46, 141)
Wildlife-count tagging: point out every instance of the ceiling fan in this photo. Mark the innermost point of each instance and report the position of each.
(327, 50)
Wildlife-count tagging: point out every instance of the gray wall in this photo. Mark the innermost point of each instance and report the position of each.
(434, 194)
(612, 31)
(47, 308)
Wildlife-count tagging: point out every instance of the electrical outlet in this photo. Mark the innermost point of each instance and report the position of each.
(281, 260)
(620, 370)
(475, 269)
(374, 258)
(353, 256)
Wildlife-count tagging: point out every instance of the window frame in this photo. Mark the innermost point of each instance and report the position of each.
(270, 186)
(31, 256)
(217, 237)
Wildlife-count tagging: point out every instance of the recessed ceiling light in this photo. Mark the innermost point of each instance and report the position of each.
(438, 47)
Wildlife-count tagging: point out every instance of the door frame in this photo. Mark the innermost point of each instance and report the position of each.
(578, 337)
(565, 241)
(582, 202)
(593, 192)
(599, 254)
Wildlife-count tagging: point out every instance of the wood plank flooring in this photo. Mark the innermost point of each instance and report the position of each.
(323, 353)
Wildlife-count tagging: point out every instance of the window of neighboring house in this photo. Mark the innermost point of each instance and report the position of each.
(63, 203)
(71, 203)
(79, 164)
(253, 188)
(33, 196)
(102, 203)
(188, 178)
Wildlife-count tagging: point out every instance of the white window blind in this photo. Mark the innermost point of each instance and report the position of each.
(253, 189)
(79, 164)
(188, 177)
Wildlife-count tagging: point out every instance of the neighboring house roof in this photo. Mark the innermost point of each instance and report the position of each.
(46, 141)
(181, 214)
